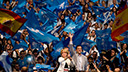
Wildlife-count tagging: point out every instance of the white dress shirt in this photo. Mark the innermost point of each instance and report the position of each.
(79, 63)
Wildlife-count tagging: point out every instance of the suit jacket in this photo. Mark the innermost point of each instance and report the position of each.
(75, 57)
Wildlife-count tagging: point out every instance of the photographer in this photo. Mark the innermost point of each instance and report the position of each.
(92, 66)
(112, 60)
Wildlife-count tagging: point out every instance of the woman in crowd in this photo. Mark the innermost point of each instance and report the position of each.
(63, 60)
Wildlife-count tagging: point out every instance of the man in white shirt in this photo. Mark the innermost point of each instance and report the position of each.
(79, 59)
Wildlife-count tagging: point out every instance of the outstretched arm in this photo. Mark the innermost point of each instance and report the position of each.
(71, 44)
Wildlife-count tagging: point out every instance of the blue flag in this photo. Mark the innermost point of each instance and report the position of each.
(87, 44)
(41, 36)
(16, 36)
(99, 10)
(60, 7)
(70, 27)
(53, 2)
(78, 36)
(40, 4)
(47, 18)
(45, 14)
(63, 5)
(74, 8)
(36, 45)
(47, 27)
(1, 2)
(57, 49)
(103, 33)
(20, 10)
(7, 36)
(22, 44)
(21, 3)
(94, 0)
(102, 9)
(5, 61)
(44, 67)
(79, 24)
(103, 39)
(32, 20)
(102, 43)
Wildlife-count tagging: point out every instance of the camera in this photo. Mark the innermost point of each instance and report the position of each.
(103, 53)
(91, 66)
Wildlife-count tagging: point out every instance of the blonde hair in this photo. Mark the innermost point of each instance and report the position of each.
(64, 50)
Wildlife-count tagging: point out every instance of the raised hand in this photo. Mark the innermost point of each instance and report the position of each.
(71, 35)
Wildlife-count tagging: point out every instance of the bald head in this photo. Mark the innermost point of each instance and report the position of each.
(117, 70)
(24, 69)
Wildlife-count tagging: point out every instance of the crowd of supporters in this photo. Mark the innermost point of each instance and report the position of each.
(25, 60)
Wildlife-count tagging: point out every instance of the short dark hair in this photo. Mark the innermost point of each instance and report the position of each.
(110, 20)
(78, 45)
(21, 52)
(40, 58)
(90, 58)
(35, 50)
(92, 30)
(105, 24)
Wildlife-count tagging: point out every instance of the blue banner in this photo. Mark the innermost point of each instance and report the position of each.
(41, 36)
(22, 44)
(69, 28)
(103, 40)
(74, 8)
(78, 36)
(20, 10)
(47, 18)
(36, 45)
(40, 4)
(87, 44)
(21, 3)
(53, 2)
(57, 49)
(99, 10)
(32, 20)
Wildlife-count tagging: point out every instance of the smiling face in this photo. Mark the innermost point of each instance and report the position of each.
(93, 33)
(124, 46)
(40, 61)
(114, 1)
(30, 52)
(79, 49)
(64, 53)
(17, 67)
(86, 6)
(83, 16)
(113, 52)
(87, 1)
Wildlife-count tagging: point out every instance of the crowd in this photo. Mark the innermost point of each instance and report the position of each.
(71, 59)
